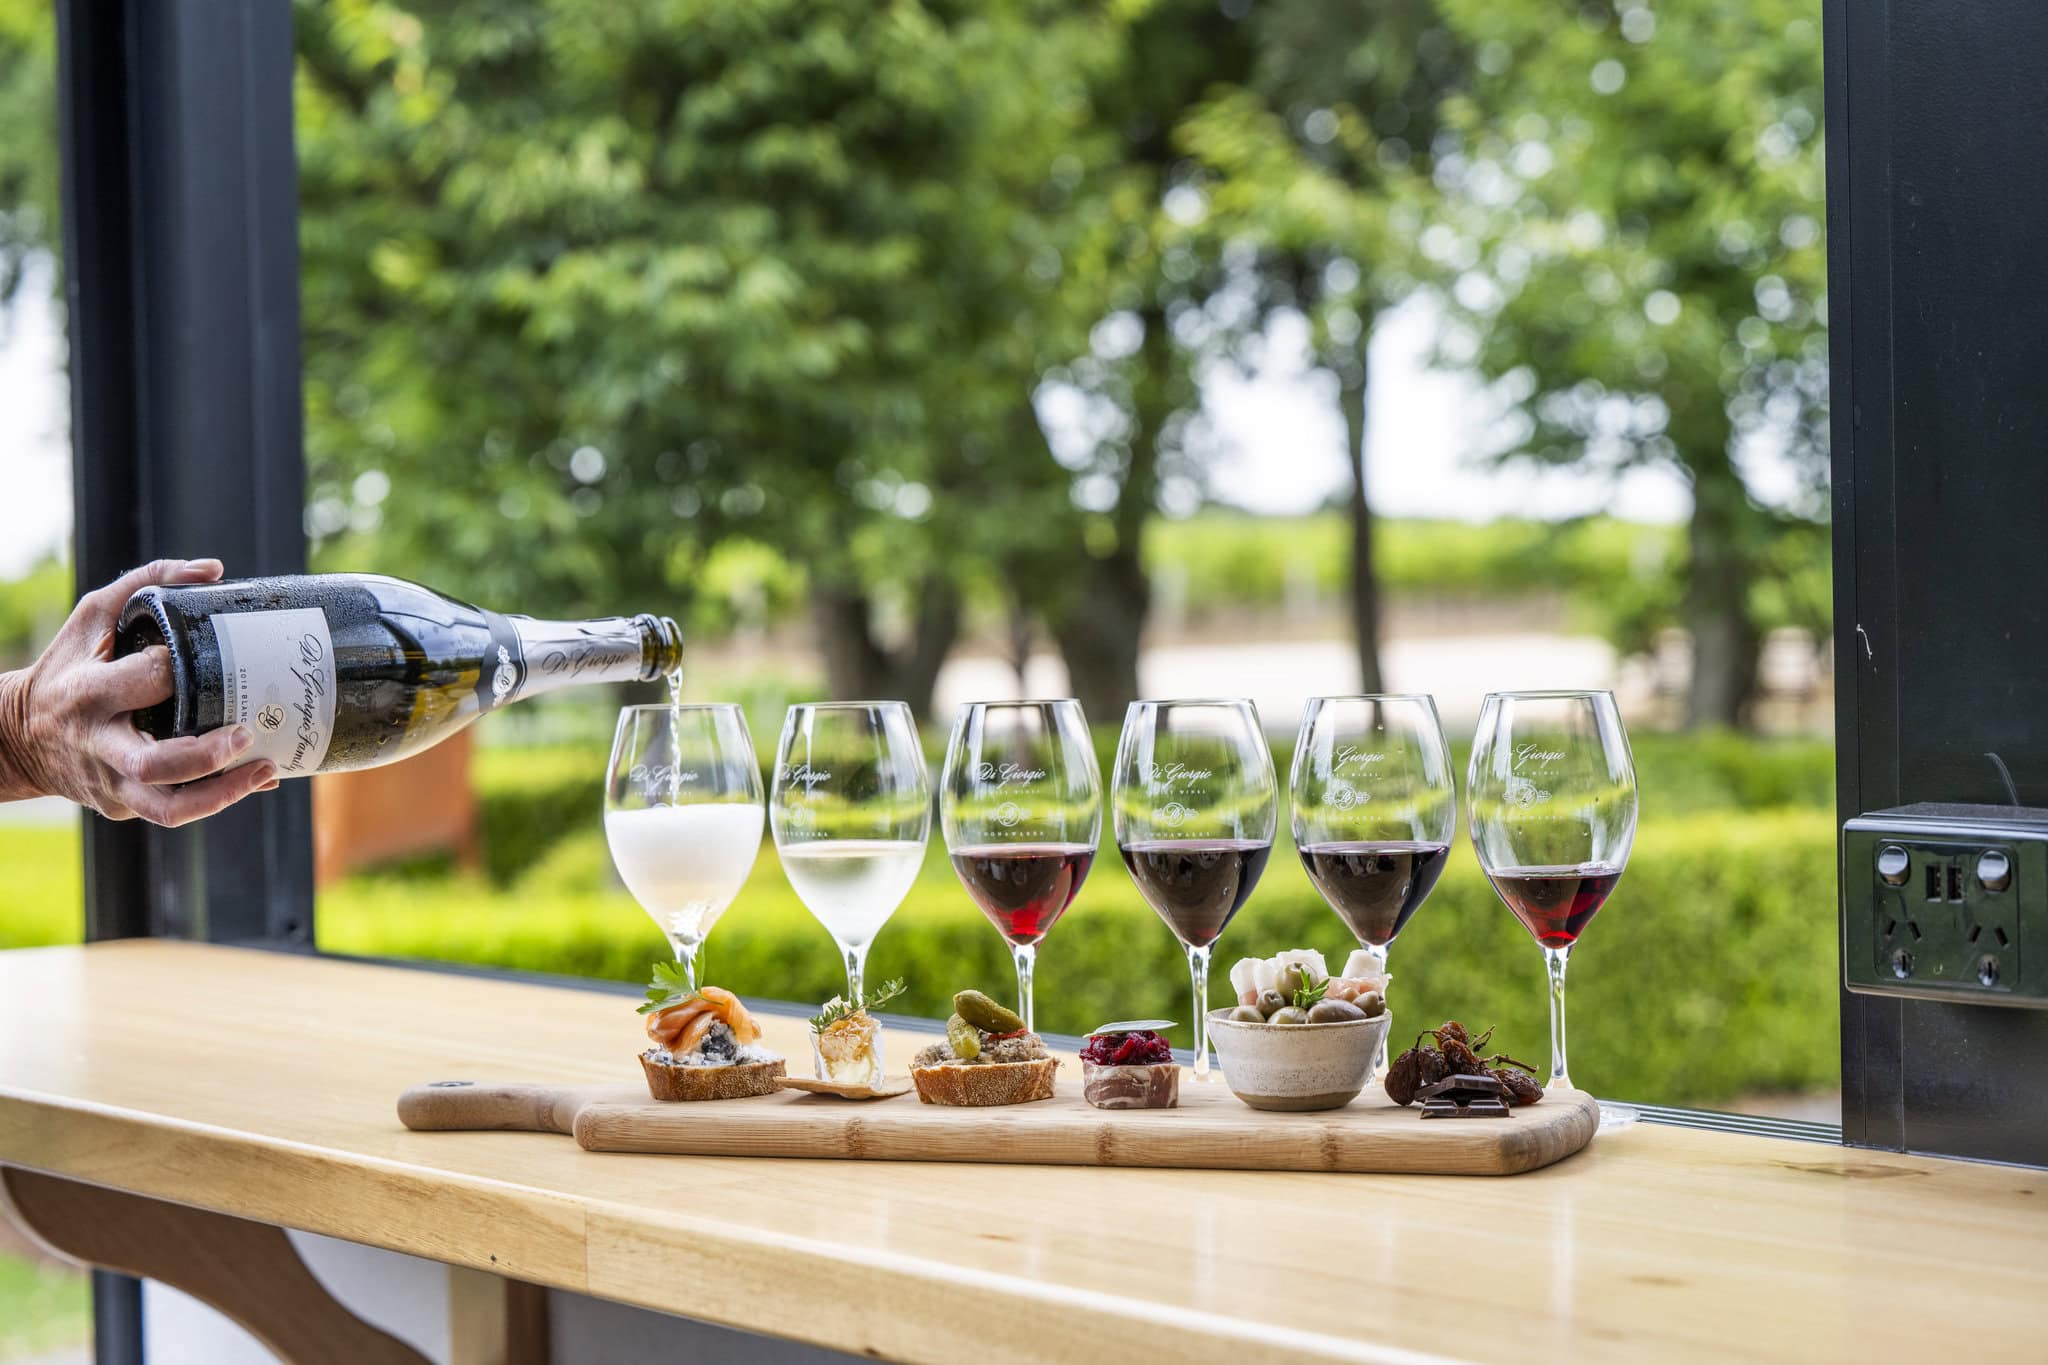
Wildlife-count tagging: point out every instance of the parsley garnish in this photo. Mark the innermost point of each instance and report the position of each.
(670, 986)
(837, 1008)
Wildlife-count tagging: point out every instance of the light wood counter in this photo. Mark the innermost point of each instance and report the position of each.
(262, 1085)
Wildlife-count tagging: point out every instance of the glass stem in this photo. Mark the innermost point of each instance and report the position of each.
(1027, 958)
(1560, 1078)
(1198, 977)
(856, 970)
(1378, 953)
(686, 955)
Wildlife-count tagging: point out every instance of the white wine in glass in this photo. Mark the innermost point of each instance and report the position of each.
(682, 816)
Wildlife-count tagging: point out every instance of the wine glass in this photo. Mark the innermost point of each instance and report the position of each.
(1374, 811)
(1196, 802)
(1552, 795)
(851, 810)
(1021, 804)
(682, 815)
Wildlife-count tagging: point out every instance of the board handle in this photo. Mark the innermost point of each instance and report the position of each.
(440, 1106)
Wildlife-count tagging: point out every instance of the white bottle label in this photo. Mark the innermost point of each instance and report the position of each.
(277, 678)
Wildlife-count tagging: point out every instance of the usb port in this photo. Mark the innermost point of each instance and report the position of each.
(1934, 881)
(1955, 881)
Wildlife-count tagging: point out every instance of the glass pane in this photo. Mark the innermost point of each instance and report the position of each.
(959, 353)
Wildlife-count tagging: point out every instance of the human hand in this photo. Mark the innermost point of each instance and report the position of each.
(66, 728)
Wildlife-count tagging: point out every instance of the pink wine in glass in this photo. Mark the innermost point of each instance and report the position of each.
(1555, 903)
(1023, 888)
(1196, 885)
(1375, 887)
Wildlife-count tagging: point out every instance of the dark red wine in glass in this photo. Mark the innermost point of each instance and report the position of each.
(1555, 903)
(1023, 888)
(1375, 887)
(1196, 885)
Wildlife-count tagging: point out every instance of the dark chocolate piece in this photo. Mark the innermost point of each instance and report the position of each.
(1442, 1108)
(1463, 1086)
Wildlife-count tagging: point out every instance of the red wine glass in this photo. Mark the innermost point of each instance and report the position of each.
(1196, 802)
(1021, 804)
(1552, 798)
(1375, 807)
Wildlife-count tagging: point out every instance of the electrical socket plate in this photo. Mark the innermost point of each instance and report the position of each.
(1926, 913)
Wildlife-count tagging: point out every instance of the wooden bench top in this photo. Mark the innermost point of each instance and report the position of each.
(262, 1085)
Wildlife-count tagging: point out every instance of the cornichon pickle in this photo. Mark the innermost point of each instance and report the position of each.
(963, 1039)
(985, 1014)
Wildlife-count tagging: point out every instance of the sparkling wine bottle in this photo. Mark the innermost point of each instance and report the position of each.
(340, 671)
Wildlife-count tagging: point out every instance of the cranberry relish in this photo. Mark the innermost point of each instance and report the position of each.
(1126, 1049)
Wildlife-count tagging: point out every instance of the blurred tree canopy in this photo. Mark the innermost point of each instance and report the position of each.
(884, 307)
(1630, 219)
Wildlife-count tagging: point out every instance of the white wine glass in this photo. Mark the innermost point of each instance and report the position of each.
(851, 808)
(682, 815)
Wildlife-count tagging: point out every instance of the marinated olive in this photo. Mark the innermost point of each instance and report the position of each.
(1270, 1001)
(1334, 1012)
(1245, 1014)
(985, 1014)
(1292, 979)
(1373, 1004)
(1290, 1015)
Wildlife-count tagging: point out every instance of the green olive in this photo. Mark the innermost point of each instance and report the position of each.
(1373, 1003)
(985, 1014)
(1334, 1012)
(1270, 1001)
(1245, 1014)
(1292, 979)
(1290, 1015)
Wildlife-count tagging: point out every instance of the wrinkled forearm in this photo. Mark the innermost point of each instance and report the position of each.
(17, 768)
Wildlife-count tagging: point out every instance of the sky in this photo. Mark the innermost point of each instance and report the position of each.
(1281, 438)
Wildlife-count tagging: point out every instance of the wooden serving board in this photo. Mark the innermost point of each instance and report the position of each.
(1211, 1129)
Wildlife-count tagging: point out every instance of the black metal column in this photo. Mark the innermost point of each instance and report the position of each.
(181, 270)
(1937, 125)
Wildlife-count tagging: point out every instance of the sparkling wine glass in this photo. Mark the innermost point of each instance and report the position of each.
(851, 810)
(1196, 802)
(1021, 804)
(1552, 795)
(682, 815)
(1374, 811)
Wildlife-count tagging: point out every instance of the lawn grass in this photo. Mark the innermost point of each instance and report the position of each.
(43, 1307)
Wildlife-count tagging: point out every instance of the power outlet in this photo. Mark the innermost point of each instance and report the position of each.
(1945, 901)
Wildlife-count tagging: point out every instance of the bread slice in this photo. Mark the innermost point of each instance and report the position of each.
(734, 1082)
(989, 1083)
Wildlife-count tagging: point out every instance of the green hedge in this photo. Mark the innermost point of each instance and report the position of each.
(1711, 973)
(532, 797)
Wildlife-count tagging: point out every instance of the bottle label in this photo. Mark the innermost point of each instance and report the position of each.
(277, 678)
(561, 654)
(503, 676)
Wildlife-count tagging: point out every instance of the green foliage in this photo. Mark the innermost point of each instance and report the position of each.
(42, 894)
(28, 136)
(43, 1307)
(31, 609)
(1665, 1007)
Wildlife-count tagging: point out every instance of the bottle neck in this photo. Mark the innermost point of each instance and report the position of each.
(612, 649)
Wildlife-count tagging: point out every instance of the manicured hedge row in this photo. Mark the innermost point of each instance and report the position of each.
(1712, 972)
(532, 797)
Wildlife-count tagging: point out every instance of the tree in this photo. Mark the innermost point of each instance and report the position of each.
(28, 138)
(1631, 232)
(631, 281)
(1314, 168)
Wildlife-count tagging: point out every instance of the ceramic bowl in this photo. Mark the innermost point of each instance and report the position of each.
(1297, 1066)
